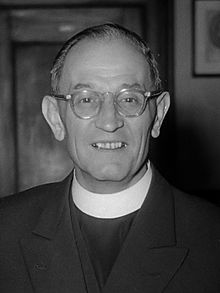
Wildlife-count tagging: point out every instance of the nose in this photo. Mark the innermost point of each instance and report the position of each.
(108, 118)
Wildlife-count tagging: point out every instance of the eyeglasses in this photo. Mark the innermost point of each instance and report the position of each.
(87, 103)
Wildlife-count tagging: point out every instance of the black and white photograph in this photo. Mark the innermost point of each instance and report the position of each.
(109, 146)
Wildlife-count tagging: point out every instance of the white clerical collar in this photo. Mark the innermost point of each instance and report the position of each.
(112, 205)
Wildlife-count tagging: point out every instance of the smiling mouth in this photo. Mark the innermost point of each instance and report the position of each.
(109, 145)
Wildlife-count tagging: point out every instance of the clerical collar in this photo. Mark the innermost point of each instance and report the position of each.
(112, 205)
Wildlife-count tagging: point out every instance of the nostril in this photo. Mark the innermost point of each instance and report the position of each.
(109, 123)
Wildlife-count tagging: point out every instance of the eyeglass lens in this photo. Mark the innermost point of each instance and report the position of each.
(87, 103)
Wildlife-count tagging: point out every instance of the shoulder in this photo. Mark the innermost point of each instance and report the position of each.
(188, 207)
(33, 196)
(20, 212)
(192, 205)
(196, 218)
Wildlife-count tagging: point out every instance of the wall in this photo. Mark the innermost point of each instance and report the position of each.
(197, 111)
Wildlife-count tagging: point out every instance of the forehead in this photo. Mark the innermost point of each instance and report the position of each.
(106, 63)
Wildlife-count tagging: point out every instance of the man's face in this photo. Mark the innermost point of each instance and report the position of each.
(107, 66)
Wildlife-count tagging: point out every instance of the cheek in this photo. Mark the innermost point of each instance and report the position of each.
(144, 141)
(74, 130)
(141, 133)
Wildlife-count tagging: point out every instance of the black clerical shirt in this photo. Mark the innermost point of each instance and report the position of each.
(99, 242)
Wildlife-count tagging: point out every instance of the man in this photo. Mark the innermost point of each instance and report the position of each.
(114, 224)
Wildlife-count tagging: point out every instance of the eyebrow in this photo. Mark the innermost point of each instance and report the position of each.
(82, 85)
(129, 86)
(124, 85)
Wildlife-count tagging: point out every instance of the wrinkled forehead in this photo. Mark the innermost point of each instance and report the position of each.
(105, 63)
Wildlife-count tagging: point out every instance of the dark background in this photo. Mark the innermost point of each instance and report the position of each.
(31, 33)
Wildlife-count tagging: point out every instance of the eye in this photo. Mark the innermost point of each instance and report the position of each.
(130, 100)
(85, 100)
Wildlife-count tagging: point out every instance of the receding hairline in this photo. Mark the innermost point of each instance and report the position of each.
(102, 33)
(88, 48)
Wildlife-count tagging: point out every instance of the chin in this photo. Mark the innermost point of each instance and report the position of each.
(110, 174)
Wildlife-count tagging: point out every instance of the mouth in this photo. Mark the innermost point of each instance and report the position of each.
(109, 145)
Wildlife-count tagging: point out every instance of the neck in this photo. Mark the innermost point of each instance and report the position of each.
(112, 205)
(105, 186)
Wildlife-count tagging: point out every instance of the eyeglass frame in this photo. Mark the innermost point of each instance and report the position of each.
(147, 95)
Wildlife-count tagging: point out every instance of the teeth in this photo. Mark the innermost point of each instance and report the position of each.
(109, 145)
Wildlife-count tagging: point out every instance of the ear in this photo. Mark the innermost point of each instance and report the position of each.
(51, 113)
(162, 106)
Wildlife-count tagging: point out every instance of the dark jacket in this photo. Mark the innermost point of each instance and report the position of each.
(173, 244)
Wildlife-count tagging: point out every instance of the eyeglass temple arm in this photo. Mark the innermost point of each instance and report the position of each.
(61, 97)
(153, 94)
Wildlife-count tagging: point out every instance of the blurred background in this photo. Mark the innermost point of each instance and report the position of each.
(31, 32)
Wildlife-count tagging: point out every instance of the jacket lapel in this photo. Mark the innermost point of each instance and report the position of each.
(149, 257)
(147, 261)
(50, 251)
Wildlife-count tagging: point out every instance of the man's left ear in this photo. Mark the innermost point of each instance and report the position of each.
(162, 106)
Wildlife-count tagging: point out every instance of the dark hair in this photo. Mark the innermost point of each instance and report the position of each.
(102, 32)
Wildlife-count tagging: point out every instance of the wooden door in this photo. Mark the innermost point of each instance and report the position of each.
(29, 41)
